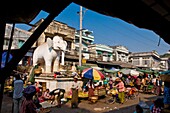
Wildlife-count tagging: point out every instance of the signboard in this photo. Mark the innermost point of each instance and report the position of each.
(83, 61)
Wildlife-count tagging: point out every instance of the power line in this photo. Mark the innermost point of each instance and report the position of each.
(128, 36)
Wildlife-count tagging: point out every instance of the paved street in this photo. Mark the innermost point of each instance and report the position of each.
(102, 107)
(86, 107)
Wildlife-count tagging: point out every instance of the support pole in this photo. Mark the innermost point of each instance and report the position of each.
(80, 38)
(2, 34)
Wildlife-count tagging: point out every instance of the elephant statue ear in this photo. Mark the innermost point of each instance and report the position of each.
(49, 42)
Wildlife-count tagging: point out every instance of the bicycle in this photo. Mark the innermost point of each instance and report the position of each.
(113, 93)
(131, 93)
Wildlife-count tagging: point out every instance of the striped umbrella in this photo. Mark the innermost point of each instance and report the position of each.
(92, 73)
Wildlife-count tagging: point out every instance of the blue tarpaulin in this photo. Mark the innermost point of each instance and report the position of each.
(165, 72)
(3, 61)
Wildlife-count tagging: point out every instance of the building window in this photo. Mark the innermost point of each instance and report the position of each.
(145, 57)
(84, 49)
(6, 42)
(69, 46)
(136, 58)
(77, 48)
(145, 62)
(135, 62)
(20, 43)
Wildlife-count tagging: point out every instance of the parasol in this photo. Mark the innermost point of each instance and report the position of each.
(92, 73)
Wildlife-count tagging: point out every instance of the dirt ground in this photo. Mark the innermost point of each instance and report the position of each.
(85, 107)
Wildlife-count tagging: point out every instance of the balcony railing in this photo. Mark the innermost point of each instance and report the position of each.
(92, 56)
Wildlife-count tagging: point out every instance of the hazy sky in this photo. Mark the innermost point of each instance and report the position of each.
(109, 31)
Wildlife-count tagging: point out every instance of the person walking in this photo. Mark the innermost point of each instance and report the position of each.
(18, 85)
(110, 83)
(158, 86)
(75, 87)
(121, 89)
(138, 83)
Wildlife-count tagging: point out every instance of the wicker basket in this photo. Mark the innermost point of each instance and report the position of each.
(94, 99)
(37, 71)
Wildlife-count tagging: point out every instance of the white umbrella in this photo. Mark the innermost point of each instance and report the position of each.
(130, 72)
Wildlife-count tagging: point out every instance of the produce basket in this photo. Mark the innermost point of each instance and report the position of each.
(100, 92)
(81, 94)
(94, 99)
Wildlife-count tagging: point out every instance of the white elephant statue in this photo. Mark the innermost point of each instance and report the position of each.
(50, 53)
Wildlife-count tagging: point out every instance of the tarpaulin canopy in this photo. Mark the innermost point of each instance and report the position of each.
(165, 72)
(147, 71)
(109, 71)
(4, 55)
(130, 72)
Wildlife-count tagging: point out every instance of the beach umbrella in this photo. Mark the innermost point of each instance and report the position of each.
(92, 73)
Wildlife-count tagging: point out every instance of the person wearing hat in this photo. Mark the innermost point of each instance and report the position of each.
(121, 88)
(28, 105)
(75, 87)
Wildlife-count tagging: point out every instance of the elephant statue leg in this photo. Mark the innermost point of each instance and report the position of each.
(56, 63)
(48, 66)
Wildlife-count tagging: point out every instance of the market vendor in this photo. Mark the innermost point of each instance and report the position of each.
(90, 86)
(75, 87)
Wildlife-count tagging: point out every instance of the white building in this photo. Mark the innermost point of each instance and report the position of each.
(87, 39)
(19, 37)
(120, 53)
(102, 52)
(146, 60)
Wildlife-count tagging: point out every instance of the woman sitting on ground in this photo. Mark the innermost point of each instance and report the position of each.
(47, 95)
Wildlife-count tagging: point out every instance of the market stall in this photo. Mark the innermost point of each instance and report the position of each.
(165, 77)
(95, 75)
(81, 94)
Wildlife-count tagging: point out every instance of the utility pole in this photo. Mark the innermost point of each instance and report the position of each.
(80, 37)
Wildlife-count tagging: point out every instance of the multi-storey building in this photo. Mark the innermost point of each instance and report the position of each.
(87, 39)
(146, 60)
(19, 38)
(120, 53)
(101, 52)
(165, 61)
(56, 28)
